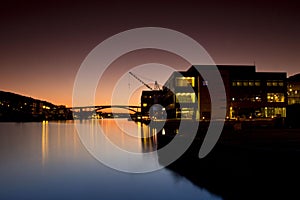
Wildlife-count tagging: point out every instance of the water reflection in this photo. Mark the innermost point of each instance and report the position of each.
(118, 144)
(148, 138)
(47, 161)
(59, 141)
(45, 142)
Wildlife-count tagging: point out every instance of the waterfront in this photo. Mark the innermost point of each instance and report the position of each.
(46, 160)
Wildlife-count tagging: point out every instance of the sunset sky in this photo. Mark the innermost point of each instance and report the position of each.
(43, 43)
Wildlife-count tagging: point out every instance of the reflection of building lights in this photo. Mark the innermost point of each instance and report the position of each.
(44, 142)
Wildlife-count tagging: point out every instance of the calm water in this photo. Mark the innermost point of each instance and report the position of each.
(48, 161)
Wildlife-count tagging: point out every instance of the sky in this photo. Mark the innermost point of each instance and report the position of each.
(43, 43)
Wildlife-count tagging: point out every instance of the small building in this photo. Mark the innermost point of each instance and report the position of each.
(150, 103)
(249, 94)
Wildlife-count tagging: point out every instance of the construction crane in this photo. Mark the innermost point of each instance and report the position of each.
(156, 86)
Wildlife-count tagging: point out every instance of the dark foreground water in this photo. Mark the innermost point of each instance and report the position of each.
(48, 161)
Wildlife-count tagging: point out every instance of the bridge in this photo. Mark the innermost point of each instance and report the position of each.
(97, 108)
(88, 111)
(85, 111)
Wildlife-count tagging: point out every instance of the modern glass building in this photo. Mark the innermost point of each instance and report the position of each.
(249, 94)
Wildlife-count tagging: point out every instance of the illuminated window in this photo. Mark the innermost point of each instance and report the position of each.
(269, 83)
(245, 83)
(271, 112)
(185, 81)
(185, 97)
(274, 83)
(233, 83)
(257, 83)
(187, 113)
(251, 83)
(239, 83)
(275, 97)
(144, 104)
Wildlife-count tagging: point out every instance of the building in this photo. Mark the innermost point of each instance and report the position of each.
(249, 94)
(294, 89)
(150, 104)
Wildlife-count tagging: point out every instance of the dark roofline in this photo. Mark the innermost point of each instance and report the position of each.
(232, 68)
(294, 78)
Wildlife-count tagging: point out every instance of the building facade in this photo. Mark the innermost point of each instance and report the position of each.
(294, 89)
(249, 94)
(151, 104)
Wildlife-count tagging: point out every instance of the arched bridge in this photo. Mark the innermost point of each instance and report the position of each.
(134, 109)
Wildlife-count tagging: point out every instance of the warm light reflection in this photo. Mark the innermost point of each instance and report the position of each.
(148, 138)
(44, 142)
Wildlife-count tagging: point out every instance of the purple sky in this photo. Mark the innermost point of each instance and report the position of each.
(44, 42)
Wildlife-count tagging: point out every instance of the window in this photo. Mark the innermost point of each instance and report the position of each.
(257, 83)
(274, 112)
(144, 104)
(245, 83)
(185, 98)
(269, 83)
(275, 83)
(280, 83)
(275, 97)
(239, 83)
(187, 113)
(185, 81)
(251, 83)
